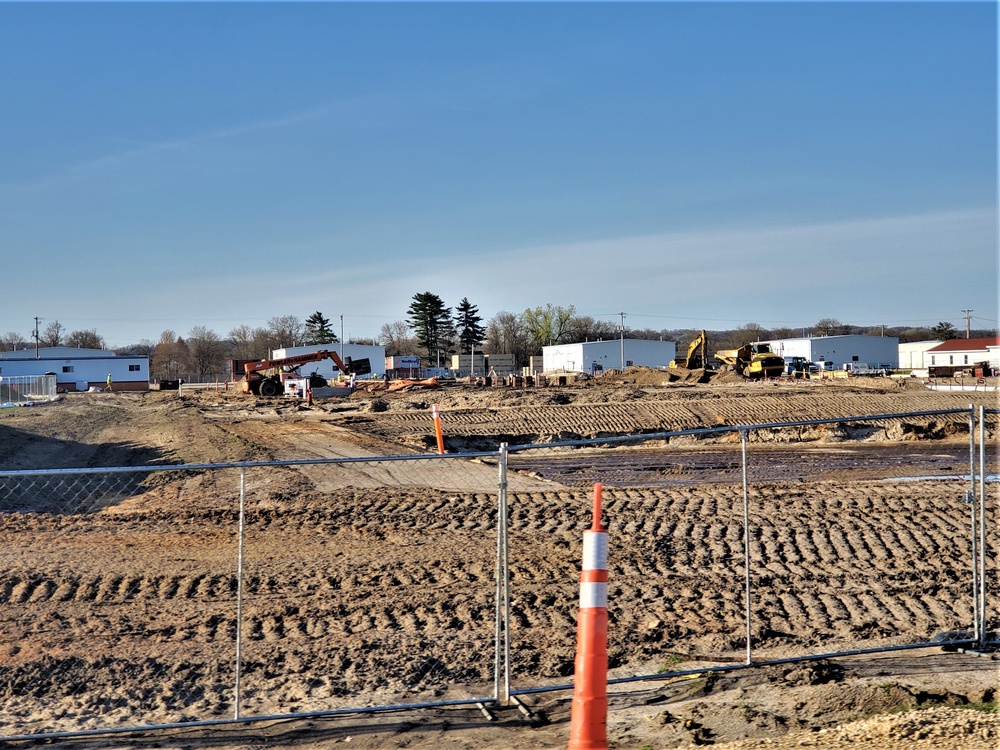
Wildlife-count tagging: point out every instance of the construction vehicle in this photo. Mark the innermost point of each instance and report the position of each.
(264, 378)
(695, 357)
(752, 361)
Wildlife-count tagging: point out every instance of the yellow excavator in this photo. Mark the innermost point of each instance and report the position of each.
(752, 361)
(695, 357)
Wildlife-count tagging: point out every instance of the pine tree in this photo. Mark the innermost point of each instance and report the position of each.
(318, 330)
(430, 320)
(467, 322)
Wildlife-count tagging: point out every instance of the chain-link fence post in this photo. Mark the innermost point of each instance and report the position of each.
(982, 526)
(501, 671)
(239, 591)
(970, 498)
(746, 541)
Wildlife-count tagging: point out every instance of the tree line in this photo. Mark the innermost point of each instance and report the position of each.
(434, 331)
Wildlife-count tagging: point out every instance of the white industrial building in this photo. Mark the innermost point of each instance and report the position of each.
(912, 354)
(79, 369)
(597, 356)
(964, 352)
(874, 351)
(326, 368)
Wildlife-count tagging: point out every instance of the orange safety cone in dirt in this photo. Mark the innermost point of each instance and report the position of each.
(436, 413)
(589, 716)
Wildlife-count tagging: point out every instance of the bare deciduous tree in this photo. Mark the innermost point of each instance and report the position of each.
(85, 339)
(52, 335)
(170, 357)
(12, 341)
(397, 338)
(206, 351)
(505, 334)
(249, 343)
(285, 331)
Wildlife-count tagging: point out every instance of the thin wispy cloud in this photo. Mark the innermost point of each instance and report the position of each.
(781, 273)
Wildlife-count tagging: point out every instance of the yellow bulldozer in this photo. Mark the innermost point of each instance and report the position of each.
(752, 361)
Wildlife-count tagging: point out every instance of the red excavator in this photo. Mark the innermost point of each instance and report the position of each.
(264, 378)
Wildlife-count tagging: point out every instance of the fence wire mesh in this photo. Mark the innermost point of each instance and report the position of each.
(111, 636)
(19, 390)
(357, 558)
(852, 544)
(164, 595)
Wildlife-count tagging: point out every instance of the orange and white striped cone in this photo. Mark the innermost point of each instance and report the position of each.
(589, 716)
(438, 433)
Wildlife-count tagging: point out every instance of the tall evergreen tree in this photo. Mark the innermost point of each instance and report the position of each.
(944, 331)
(318, 330)
(467, 322)
(430, 320)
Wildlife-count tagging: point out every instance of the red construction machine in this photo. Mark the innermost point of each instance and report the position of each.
(264, 378)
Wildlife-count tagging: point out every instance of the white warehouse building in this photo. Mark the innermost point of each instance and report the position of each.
(597, 356)
(874, 351)
(79, 369)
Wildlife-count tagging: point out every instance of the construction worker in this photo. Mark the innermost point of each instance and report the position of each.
(109, 381)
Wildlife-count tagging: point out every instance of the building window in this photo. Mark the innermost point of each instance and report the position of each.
(965, 359)
(951, 359)
(133, 368)
(67, 368)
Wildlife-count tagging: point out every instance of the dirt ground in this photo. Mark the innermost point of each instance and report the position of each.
(850, 553)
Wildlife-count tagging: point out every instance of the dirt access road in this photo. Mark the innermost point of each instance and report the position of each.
(110, 614)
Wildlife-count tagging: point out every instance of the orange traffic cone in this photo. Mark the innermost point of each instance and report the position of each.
(436, 413)
(588, 728)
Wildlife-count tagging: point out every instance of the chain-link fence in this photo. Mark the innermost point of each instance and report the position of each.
(205, 593)
(17, 390)
(804, 539)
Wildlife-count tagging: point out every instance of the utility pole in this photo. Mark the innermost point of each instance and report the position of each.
(968, 323)
(36, 336)
(622, 329)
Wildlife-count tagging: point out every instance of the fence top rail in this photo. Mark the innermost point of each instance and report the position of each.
(245, 464)
(734, 428)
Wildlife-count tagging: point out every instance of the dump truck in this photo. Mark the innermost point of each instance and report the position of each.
(752, 361)
(264, 378)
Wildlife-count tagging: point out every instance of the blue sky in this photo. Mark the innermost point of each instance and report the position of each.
(690, 164)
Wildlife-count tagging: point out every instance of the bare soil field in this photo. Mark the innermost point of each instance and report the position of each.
(377, 581)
